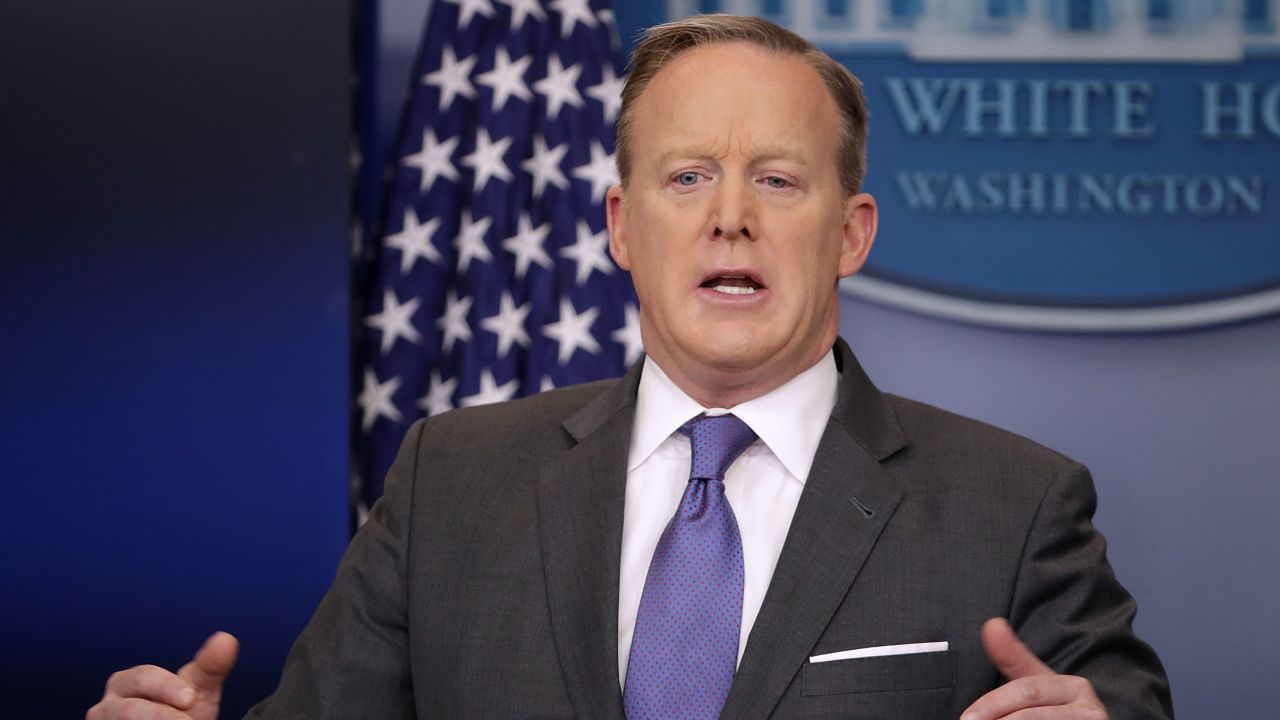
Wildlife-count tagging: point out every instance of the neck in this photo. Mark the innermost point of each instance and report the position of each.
(726, 388)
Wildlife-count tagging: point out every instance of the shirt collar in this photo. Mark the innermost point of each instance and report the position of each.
(789, 419)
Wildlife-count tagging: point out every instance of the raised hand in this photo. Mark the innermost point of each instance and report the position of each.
(148, 692)
(1034, 690)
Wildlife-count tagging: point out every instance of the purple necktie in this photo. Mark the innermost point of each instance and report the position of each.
(685, 645)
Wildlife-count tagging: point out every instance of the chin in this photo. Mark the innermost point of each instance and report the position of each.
(732, 349)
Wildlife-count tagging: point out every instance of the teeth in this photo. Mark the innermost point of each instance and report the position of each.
(734, 290)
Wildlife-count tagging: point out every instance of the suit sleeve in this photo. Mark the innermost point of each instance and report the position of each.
(352, 659)
(1071, 611)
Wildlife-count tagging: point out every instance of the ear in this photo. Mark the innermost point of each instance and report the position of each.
(861, 218)
(615, 214)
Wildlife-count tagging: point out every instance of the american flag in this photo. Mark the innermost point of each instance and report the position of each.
(493, 276)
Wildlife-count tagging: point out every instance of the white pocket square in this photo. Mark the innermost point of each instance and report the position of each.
(881, 651)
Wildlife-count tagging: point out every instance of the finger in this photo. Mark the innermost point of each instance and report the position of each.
(134, 709)
(151, 683)
(1013, 659)
(1030, 692)
(1041, 713)
(208, 670)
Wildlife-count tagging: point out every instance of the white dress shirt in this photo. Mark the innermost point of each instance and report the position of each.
(763, 485)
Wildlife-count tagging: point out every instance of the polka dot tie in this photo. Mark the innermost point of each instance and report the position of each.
(685, 645)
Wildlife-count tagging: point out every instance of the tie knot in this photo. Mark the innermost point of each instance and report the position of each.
(716, 441)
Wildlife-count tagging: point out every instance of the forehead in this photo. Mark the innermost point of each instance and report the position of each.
(735, 96)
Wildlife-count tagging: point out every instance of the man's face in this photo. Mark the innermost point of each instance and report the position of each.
(734, 224)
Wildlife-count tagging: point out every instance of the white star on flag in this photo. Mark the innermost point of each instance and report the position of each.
(571, 12)
(491, 391)
(507, 79)
(487, 161)
(439, 397)
(573, 330)
(433, 160)
(521, 9)
(560, 86)
(453, 321)
(608, 92)
(394, 320)
(453, 78)
(414, 241)
(628, 335)
(601, 172)
(470, 241)
(375, 399)
(526, 245)
(589, 252)
(508, 324)
(544, 166)
(468, 9)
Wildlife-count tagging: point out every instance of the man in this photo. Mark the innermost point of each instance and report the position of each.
(834, 551)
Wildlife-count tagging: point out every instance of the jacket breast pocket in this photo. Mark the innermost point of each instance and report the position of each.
(919, 671)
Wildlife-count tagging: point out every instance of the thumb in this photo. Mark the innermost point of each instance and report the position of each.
(212, 663)
(1007, 652)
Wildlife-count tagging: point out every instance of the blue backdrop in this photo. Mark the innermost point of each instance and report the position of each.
(174, 203)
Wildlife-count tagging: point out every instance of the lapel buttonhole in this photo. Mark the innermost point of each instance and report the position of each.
(866, 511)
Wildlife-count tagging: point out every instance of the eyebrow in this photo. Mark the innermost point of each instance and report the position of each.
(764, 155)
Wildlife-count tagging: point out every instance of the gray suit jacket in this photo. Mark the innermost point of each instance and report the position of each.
(485, 584)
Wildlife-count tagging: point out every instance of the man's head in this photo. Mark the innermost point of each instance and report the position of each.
(663, 43)
(741, 151)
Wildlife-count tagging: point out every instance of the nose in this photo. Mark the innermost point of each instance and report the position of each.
(733, 213)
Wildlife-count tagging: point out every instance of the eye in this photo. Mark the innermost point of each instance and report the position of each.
(777, 183)
(687, 178)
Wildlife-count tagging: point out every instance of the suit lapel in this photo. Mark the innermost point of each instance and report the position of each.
(847, 500)
(580, 508)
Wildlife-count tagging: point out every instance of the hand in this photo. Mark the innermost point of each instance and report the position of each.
(147, 692)
(1034, 691)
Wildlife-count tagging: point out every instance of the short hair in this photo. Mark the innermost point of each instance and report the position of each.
(663, 43)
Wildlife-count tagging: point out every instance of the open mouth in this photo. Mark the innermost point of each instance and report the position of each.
(733, 283)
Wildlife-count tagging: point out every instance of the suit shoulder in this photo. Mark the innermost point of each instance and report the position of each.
(963, 441)
(530, 422)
